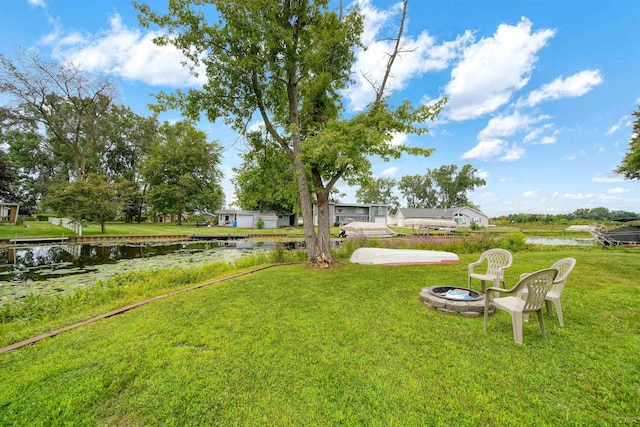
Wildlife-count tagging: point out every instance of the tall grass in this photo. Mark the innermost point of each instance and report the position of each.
(478, 242)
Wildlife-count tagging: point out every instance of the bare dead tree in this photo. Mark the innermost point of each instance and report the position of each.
(67, 102)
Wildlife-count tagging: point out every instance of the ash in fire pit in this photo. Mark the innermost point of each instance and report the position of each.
(454, 300)
(455, 293)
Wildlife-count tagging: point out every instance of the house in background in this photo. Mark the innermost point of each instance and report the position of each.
(342, 213)
(463, 216)
(9, 213)
(249, 219)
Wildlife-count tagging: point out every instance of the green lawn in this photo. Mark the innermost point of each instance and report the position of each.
(346, 346)
(44, 229)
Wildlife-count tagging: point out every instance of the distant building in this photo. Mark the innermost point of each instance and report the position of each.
(249, 219)
(342, 213)
(462, 216)
(9, 212)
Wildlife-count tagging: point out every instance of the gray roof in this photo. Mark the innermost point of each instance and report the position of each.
(429, 212)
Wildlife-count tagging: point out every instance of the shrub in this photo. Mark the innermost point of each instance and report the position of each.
(260, 224)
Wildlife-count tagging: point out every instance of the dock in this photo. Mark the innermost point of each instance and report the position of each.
(38, 240)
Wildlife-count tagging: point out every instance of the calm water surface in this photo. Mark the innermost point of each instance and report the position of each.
(63, 267)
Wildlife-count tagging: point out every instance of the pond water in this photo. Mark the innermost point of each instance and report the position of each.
(559, 241)
(64, 267)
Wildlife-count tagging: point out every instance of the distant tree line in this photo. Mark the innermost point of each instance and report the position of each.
(67, 146)
(584, 214)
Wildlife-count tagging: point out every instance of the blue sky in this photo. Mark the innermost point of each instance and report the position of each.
(540, 92)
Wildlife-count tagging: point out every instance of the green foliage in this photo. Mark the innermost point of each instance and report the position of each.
(91, 200)
(444, 187)
(288, 61)
(7, 179)
(266, 179)
(260, 224)
(378, 190)
(582, 215)
(630, 165)
(182, 171)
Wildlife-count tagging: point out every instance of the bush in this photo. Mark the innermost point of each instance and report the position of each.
(260, 224)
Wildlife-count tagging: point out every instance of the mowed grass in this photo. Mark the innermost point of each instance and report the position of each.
(346, 346)
(44, 229)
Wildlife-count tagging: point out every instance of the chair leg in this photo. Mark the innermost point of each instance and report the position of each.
(486, 312)
(541, 320)
(516, 321)
(559, 312)
(556, 302)
(548, 304)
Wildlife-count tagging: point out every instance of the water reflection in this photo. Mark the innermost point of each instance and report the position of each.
(34, 263)
(559, 241)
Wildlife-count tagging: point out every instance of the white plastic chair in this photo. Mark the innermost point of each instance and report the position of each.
(498, 260)
(537, 285)
(564, 267)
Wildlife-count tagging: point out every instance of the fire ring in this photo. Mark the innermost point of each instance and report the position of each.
(454, 300)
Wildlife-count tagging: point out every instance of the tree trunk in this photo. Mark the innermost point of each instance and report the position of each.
(103, 226)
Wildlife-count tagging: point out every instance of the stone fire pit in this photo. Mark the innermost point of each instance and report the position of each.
(454, 300)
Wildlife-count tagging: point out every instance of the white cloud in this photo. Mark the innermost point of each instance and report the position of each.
(37, 3)
(571, 87)
(507, 125)
(495, 148)
(618, 190)
(256, 126)
(420, 55)
(579, 196)
(493, 68)
(483, 174)
(624, 121)
(513, 153)
(549, 139)
(531, 193)
(613, 129)
(125, 52)
(398, 139)
(607, 179)
(390, 171)
(486, 150)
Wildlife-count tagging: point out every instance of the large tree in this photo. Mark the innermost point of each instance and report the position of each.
(70, 105)
(287, 61)
(418, 191)
(630, 165)
(182, 171)
(266, 179)
(92, 199)
(7, 180)
(379, 190)
(443, 187)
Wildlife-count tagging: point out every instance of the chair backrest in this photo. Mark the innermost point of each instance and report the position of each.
(564, 267)
(496, 259)
(537, 284)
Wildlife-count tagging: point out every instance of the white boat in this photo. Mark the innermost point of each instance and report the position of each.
(365, 229)
(402, 256)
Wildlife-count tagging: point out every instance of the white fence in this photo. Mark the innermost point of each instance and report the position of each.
(69, 224)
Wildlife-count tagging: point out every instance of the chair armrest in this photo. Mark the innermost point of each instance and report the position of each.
(501, 290)
(473, 264)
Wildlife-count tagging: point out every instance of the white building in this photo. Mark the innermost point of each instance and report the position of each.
(463, 216)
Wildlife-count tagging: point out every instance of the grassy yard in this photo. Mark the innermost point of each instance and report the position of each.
(346, 346)
(44, 229)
